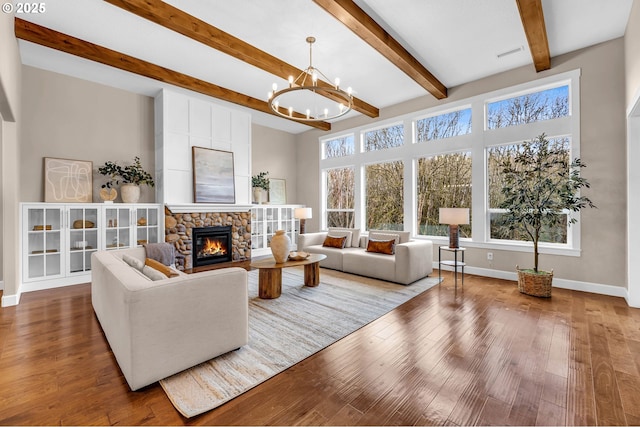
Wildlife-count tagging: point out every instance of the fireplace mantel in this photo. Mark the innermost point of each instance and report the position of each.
(206, 207)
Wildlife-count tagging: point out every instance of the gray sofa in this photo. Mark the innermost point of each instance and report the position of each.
(413, 259)
(158, 328)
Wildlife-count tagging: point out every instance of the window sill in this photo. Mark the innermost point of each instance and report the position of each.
(504, 246)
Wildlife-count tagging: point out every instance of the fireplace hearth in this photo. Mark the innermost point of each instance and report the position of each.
(211, 245)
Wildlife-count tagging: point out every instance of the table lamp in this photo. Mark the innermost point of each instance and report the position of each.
(302, 214)
(454, 217)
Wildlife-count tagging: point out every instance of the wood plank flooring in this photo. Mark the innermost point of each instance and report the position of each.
(482, 355)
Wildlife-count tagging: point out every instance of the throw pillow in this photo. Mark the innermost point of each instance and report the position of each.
(355, 235)
(167, 271)
(334, 242)
(153, 274)
(133, 262)
(377, 235)
(381, 246)
(342, 233)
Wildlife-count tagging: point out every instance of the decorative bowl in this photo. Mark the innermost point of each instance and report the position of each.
(298, 256)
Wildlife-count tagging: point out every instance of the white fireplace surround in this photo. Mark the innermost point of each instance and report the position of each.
(183, 122)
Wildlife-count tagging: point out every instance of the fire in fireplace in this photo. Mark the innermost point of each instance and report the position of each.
(211, 245)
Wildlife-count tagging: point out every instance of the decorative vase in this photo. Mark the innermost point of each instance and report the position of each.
(280, 245)
(257, 195)
(130, 193)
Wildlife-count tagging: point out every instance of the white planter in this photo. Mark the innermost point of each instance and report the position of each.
(257, 195)
(130, 193)
(280, 245)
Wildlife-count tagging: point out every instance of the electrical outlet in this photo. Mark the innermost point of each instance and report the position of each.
(490, 256)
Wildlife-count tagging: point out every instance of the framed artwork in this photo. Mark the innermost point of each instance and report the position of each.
(213, 176)
(68, 181)
(277, 191)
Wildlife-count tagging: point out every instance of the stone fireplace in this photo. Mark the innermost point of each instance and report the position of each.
(211, 245)
(183, 229)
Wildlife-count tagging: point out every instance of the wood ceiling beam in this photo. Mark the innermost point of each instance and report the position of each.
(532, 18)
(357, 20)
(34, 33)
(181, 22)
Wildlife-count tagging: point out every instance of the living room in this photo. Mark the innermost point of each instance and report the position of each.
(48, 114)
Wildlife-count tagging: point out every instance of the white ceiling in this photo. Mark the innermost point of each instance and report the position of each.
(457, 40)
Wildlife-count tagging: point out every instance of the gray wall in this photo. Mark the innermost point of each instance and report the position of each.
(72, 118)
(602, 149)
(275, 151)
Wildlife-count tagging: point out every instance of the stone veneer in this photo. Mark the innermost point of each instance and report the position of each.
(178, 228)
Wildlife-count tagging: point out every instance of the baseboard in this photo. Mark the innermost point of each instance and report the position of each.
(574, 285)
(9, 300)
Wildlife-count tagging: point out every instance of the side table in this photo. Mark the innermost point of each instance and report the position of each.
(455, 263)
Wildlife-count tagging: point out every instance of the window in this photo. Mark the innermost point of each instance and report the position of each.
(381, 139)
(498, 230)
(529, 108)
(444, 181)
(384, 196)
(444, 126)
(339, 147)
(340, 197)
(410, 166)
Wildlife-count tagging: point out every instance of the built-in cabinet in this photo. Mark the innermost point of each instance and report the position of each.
(266, 220)
(58, 239)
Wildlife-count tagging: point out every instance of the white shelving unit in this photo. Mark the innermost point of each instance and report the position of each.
(266, 220)
(58, 239)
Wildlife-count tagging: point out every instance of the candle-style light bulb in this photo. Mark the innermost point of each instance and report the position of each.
(326, 112)
(337, 82)
(290, 81)
(269, 95)
(308, 113)
(290, 111)
(349, 90)
(314, 78)
(277, 105)
(274, 87)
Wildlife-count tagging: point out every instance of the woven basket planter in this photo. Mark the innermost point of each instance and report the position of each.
(537, 285)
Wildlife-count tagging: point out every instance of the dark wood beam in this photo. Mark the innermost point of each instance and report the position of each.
(533, 22)
(181, 22)
(357, 20)
(34, 33)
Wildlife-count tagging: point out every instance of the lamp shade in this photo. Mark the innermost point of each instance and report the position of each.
(302, 213)
(454, 216)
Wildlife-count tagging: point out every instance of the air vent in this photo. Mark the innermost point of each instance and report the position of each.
(510, 52)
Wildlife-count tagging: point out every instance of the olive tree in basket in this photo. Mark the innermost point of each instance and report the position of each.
(540, 185)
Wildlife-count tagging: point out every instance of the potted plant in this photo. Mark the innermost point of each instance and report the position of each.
(131, 176)
(259, 182)
(539, 183)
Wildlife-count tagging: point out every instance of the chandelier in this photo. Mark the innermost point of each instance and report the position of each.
(318, 99)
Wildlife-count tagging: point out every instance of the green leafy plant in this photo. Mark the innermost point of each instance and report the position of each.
(130, 174)
(260, 181)
(539, 184)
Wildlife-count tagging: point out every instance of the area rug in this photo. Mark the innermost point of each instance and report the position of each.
(286, 330)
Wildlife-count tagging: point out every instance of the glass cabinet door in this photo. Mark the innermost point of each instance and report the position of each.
(257, 228)
(147, 225)
(83, 238)
(117, 230)
(43, 242)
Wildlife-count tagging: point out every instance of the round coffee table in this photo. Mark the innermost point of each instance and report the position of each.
(270, 274)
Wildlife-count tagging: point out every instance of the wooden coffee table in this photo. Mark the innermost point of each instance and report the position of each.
(270, 274)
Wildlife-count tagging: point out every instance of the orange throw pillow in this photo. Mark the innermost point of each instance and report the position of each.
(167, 271)
(386, 247)
(335, 242)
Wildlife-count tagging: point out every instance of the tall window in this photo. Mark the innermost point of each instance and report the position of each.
(498, 229)
(444, 181)
(340, 197)
(385, 196)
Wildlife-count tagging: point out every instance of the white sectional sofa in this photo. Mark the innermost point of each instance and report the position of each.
(159, 328)
(413, 259)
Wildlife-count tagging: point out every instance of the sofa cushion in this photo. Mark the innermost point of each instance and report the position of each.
(342, 233)
(334, 242)
(370, 264)
(355, 235)
(379, 235)
(386, 247)
(133, 262)
(167, 271)
(153, 274)
(404, 236)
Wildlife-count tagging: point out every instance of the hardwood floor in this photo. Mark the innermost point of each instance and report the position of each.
(483, 355)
